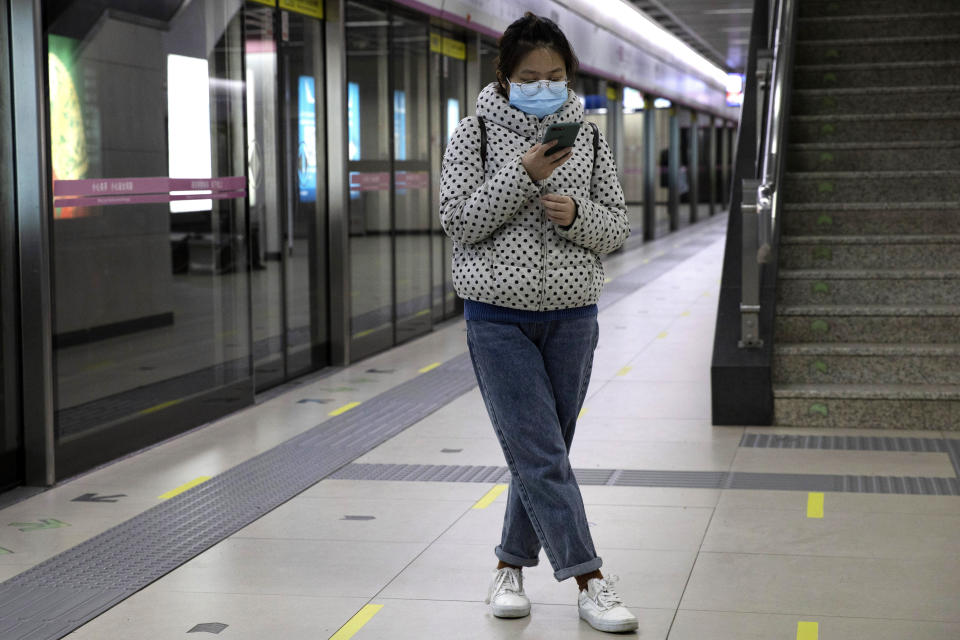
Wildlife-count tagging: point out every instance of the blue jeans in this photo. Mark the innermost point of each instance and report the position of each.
(533, 378)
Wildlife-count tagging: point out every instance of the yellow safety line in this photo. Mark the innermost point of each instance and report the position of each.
(356, 622)
(583, 412)
(685, 314)
(491, 495)
(663, 334)
(422, 312)
(430, 367)
(186, 487)
(607, 280)
(364, 334)
(161, 406)
(808, 631)
(344, 408)
(815, 505)
(624, 371)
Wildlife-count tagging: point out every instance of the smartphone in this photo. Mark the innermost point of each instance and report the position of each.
(565, 132)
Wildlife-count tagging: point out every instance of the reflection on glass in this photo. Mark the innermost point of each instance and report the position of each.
(370, 226)
(150, 307)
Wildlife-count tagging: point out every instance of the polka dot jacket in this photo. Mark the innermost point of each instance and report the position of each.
(505, 250)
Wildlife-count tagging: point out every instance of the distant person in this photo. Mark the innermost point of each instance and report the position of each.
(528, 229)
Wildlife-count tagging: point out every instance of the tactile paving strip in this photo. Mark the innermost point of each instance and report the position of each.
(910, 485)
(844, 443)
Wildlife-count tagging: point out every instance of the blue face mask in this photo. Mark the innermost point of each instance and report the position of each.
(539, 98)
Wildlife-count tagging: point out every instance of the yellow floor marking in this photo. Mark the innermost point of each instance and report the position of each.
(344, 409)
(186, 487)
(583, 412)
(646, 260)
(421, 313)
(356, 622)
(160, 407)
(662, 335)
(364, 334)
(808, 631)
(815, 505)
(430, 367)
(607, 280)
(488, 499)
(685, 314)
(624, 371)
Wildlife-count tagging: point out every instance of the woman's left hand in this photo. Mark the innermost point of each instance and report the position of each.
(560, 210)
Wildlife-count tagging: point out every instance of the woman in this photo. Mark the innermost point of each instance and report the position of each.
(528, 229)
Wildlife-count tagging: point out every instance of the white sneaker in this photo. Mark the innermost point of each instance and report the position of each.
(603, 609)
(506, 594)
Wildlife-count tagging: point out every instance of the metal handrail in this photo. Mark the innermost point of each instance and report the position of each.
(761, 195)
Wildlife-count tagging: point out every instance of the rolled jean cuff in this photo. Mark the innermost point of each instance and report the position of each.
(516, 561)
(578, 570)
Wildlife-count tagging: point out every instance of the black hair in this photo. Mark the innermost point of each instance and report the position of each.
(523, 36)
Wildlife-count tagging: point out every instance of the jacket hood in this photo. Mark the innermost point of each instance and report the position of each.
(494, 107)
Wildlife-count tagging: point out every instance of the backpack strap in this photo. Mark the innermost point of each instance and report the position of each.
(596, 142)
(483, 143)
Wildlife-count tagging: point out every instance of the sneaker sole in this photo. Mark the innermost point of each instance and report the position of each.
(611, 627)
(511, 612)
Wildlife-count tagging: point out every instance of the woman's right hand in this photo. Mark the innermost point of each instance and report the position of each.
(540, 166)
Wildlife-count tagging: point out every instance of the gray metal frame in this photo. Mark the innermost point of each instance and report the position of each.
(673, 171)
(337, 182)
(33, 216)
(650, 162)
(693, 166)
(11, 429)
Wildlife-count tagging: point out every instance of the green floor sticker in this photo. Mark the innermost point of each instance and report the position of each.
(819, 409)
(825, 187)
(48, 523)
(830, 77)
(820, 366)
(821, 287)
(820, 326)
(825, 221)
(4, 552)
(829, 102)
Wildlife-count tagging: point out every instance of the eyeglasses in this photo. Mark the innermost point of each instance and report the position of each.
(555, 87)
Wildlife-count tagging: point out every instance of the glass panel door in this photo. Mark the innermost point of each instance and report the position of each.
(410, 45)
(369, 117)
(151, 300)
(287, 165)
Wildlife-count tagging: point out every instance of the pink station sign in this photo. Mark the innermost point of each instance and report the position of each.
(113, 191)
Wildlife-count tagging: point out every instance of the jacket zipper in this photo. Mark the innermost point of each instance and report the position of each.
(543, 237)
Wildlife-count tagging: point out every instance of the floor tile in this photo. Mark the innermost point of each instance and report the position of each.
(700, 625)
(159, 615)
(398, 490)
(676, 400)
(348, 519)
(828, 586)
(869, 463)
(649, 496)
(863, 535)
(627, 429)
(418, 619)
(674, 456)
(293, 567)
(413, 449)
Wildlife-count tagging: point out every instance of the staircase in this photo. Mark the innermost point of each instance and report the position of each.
(867, 331)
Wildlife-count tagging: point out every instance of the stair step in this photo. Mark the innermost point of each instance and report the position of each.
(874, 156)
(886, 127)
(871, 186)
(840, 363)
(878, 25)
(876, 100)
(889, 406)
(897, 49)
(814, 287)
(877, 74)
(873, 7)
(863, 323)
(870, 252)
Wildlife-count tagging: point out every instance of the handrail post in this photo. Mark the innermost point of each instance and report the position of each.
(750, 268)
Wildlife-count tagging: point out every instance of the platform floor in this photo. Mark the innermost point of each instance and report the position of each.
(694, 563)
